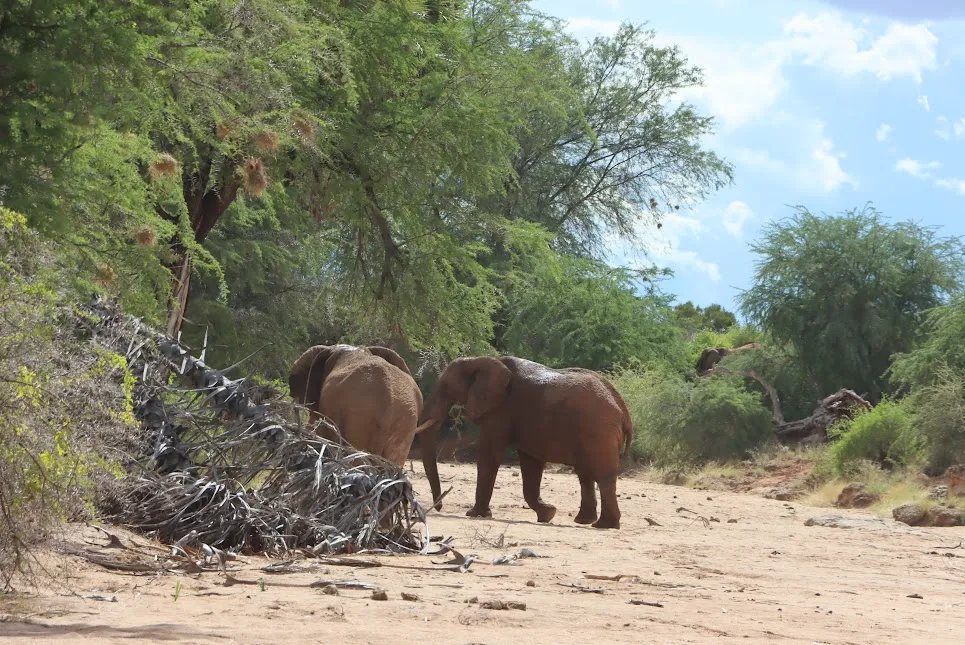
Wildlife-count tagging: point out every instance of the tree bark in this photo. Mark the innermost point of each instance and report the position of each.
(205, 208)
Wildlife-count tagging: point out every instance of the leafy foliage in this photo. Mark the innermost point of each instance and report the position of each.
(798, 393)
(848, 291)
(938, 411)
(589, 315)
(940, 347)
(678, 422)
(883, 435)
(693, 318)
(63, 411)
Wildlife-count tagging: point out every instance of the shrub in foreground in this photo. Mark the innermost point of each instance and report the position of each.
(681, 422)
(883, 435)
(938, 413)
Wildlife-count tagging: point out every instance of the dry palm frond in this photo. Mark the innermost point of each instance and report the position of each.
(239, 475)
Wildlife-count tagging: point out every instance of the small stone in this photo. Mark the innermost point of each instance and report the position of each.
(530, 583)
(330, 590)
(474, 600)
(916, 596)
(379, 594)
(910, 514)
(855, 496)
(732, 521)
(411, 597)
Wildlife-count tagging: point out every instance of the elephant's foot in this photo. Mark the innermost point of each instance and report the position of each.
(545, 513)
(606, 523)
(585, 518)
(477, 512)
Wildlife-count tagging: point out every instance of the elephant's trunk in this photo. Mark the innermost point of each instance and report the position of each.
(427, 425)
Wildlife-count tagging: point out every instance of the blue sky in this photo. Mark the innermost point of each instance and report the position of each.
(829, 105)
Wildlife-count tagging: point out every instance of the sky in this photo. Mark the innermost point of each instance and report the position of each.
(829, 105)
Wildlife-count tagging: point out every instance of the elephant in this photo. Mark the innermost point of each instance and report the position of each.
(569, 416)
(367, 392)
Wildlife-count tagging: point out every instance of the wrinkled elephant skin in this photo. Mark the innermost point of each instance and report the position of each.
(570, 416)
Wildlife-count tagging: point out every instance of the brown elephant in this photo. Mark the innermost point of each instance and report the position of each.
(571, 416)
(367, 392)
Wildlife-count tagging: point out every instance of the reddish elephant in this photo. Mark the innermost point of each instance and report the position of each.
(367, 392)
(571, 416)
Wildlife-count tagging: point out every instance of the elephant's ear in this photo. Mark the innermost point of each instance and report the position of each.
(390, 357)
(307, 375)
(488, 380)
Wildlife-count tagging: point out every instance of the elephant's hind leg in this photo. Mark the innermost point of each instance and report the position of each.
(531, 470)
(610, 512)
(587, 514)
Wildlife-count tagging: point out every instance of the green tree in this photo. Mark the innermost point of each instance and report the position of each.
(587, 314)
(692, 318)
(848, 291)
(600, 159)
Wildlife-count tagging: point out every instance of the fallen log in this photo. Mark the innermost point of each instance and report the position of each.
(814, 429)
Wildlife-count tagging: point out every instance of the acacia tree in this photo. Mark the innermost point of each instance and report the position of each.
(848, 291)
(587, 314)
(612, 148)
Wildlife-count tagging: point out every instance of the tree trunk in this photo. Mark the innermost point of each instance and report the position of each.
(205, 206)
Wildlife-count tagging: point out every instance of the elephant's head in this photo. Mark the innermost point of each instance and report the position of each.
(478, 384)
(309, 371)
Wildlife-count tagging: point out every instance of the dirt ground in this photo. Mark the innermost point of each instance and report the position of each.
(752, 573)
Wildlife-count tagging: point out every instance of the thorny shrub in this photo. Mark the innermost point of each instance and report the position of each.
(883, 435)
(678, 423)
(65, 405)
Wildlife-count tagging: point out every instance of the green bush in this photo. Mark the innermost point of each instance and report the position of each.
(733, 337)
(798, 393)
(65, 406)
(679, 423)
(883, 435)
(938, 412)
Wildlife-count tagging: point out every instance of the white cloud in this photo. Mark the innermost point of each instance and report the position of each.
(943, 131)
(883, 132)
(593, 26)
(819, 169)
(956, 185)
(736, 213)
(959, 127)
(613, 4)
(664, 244)
(917, 168)
(923, 102)
(830, 41)
(830, 174)
(742, 82)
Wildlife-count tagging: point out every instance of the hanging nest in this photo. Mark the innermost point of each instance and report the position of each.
(165, 165)
(253, 176)
(267, 141)
(237, 475)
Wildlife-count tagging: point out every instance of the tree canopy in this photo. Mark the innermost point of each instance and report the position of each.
(848, 291)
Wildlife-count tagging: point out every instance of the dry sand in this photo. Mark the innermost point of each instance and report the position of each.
(754, 574)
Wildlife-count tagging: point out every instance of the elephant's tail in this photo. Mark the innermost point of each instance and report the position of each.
(627, 432)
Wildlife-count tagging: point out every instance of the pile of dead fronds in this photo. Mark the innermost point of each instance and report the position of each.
(227, 472)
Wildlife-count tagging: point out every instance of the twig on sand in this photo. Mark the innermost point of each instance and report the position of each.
(582, 588)
(696, 515)
(648, 603)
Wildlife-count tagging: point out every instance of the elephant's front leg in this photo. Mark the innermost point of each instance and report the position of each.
(492, 444)
(531, 470)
